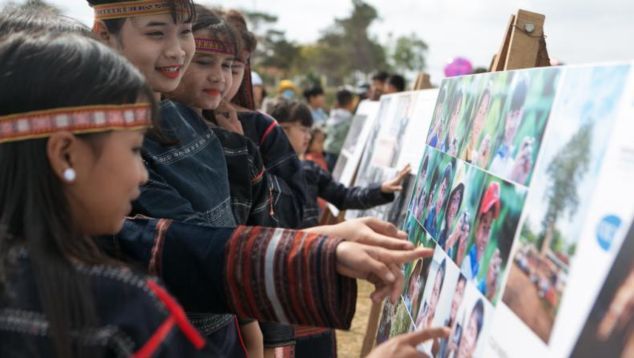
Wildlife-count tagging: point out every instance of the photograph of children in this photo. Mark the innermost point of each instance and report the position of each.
(527, 107)
(609, 329)
(438, 194)
(441, 274)
(358, 121)
(402, 319)
(436, 125)
(494, 229)
(462, 205)
(470, 324)
(397, 210)
(447, 130)
(382, 153)
(385, 323)
(488, 92)
(451, 320)
(368, 152)
(392, 127)
(419, 194)
(415, 284)
(422, 198)
(569, 165)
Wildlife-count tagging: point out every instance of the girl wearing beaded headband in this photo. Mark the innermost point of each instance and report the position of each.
(155, 35)
(193, 185)
(71, 166)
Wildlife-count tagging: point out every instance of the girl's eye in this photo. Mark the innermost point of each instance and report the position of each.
(137, 150)
(186, 32)
(203, 62)
(155, 34)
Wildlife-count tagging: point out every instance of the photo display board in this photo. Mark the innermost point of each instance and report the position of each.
(352, 150)
(524, 192)
(393, 142)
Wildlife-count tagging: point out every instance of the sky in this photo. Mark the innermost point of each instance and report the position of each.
(577, 31)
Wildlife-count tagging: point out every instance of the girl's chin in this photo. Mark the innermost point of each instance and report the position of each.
(165, 85)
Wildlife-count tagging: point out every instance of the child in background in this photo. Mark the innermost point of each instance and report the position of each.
(296, 120)
(377, 87)
(287, 184)
(315, 151)
(395, 83)
(316, 99)
(338, 125)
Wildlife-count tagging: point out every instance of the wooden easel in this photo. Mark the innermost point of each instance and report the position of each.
(423, 81)
(524, 44)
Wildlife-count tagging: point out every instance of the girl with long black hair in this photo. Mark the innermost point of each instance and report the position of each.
(71, 166)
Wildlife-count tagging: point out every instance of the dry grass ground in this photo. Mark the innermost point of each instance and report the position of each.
(349, 342)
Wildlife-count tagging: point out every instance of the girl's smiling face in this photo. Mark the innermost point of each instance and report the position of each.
(207, 79)
(156, 45)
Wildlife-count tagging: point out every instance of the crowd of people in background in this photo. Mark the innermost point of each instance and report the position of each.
(154, 201)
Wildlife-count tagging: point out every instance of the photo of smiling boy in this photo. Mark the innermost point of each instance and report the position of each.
(487, 214)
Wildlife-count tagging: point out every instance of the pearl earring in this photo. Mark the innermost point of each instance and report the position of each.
(70, 175)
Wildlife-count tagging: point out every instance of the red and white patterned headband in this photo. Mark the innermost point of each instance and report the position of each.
(209, 45)
(120, 10)
(84, 119)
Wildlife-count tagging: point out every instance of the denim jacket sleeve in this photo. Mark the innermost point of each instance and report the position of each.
(347, 197)
(159, 199)
(286, 180)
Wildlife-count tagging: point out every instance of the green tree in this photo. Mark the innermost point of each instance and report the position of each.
(347, 46)
(274, 49)
(409, 53)
(565, 172)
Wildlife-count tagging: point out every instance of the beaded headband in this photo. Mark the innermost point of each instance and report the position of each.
(120, 10)
(208, 45)
(84, 119)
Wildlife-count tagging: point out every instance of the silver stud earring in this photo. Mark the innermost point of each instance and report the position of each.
(70, 175)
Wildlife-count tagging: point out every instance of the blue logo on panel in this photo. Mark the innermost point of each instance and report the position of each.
(607, 230)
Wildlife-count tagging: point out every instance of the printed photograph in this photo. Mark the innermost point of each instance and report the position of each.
(493, 231)
(569, 165)
(609, 329)
(440, 286)
(469, 326)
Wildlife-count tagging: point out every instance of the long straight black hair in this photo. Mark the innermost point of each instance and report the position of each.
(40, 72)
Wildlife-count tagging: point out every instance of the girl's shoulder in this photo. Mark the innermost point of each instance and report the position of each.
(132, 310)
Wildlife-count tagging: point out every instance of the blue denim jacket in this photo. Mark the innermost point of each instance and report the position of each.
(188, 180)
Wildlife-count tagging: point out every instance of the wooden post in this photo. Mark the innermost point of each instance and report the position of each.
(524, 44)
(373, 325)
(500, 59)
(423, 81)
